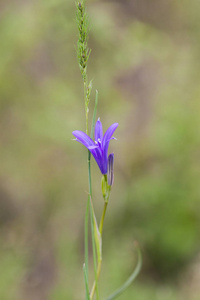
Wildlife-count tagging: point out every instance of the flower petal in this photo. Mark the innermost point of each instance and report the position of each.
(109, 132)
(98, 131)
(83, 138)
(105, 144)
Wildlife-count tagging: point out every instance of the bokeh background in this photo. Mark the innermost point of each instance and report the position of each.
(145, 63)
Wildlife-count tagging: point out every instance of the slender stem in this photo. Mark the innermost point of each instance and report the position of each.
(86, 238)
(94, 284)
(88, 201)
(92, 229)
(100, 261)
(94, 254)
(102, 218)
(86, 96)
(83, 55)
(87, 293)
(89, 174)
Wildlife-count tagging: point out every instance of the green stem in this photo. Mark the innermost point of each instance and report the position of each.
(89, 174)
(94, 254)
(100, 261)
(94, 287)
(83, 55)
(88, 201)
(92, 229)
(87, 294)
(86, 238)
(102, 218)
(86, 104)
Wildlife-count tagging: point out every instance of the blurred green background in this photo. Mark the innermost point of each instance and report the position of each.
(145, 63)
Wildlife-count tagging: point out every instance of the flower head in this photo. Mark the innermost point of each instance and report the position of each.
(99, 147)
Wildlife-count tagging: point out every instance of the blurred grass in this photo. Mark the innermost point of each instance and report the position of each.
(146, 68)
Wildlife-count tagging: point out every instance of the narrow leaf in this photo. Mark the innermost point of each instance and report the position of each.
(130, 279)
(86, 283)
(94, 247)
(97, 236)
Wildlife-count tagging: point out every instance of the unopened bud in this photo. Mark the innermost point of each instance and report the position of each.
(110, 173)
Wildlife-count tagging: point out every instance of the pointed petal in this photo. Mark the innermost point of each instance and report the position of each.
(109, 132)
(105, 144)
(98, 131)
(83, 138)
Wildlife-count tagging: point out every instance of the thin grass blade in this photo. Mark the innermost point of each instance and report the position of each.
(86, 283)
(130, 279)
(94, 249)
(97, 237)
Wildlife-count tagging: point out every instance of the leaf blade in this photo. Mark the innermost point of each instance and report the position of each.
(94, 246)
(127, 283)
(87, 294)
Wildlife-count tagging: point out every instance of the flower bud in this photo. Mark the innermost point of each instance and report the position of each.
(110, 173)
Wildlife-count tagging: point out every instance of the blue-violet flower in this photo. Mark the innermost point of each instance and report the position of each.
(99, 147)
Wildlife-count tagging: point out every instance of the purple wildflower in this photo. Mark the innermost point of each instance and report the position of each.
(99, 148)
